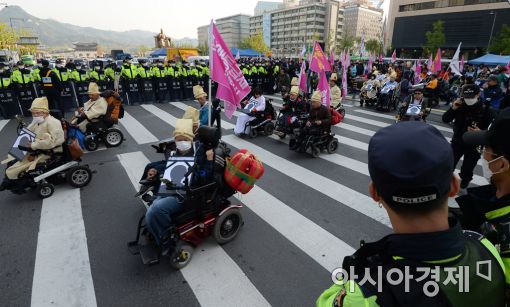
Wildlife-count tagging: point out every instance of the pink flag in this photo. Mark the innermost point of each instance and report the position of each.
(323, 87)
(319, 61)
(437, 61)
(232, 86)
(342, 58)
(302, 78)
(347, 59)
(417, 72)
(332, 57)
(462, 63)
(344, 81)
(381, 58)
(370, 63)
(429, 63)
(394, 56)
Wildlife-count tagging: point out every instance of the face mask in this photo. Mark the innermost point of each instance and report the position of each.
(487, 173)
(183, 145)
(470, 101)
(78, 67)
(97, 68)
(60, 65)
(21, 67)
(128, 62)
(37, 119)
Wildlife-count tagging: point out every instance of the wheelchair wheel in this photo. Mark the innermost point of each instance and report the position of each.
(78, 176)
(342, 111)
(332, 145)
(315, 151)
(45, 190)
(91, 144)
(113, 137)
(253, 132)
(181, 256)
(268, 129)
(227, 226)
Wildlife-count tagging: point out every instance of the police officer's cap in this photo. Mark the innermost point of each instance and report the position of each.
(45, 63)
(496, 136)
(410, 164)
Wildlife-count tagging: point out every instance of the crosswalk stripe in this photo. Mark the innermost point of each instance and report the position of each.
(355, 129)
(326, 186)
(3, 123)
(216, 280)
(319, 244)
(62, 275)
(446, 129)
(139, 133)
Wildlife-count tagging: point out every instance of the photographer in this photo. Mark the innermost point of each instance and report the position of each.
(467, 113)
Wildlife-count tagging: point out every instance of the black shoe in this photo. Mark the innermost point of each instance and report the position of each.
(464, 183)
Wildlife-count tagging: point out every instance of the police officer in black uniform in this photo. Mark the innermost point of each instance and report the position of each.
(413, 186)
(467, 113)
(52, 87)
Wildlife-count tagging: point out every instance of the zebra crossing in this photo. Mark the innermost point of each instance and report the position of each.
(301, 219)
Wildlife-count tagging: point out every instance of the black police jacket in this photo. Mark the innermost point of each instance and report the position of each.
(56, 87)
(466, 116)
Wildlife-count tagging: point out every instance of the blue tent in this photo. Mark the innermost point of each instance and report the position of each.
(491, 59)
(159, 52)
(245, 52)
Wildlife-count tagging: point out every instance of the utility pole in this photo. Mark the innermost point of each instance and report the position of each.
(492, 29)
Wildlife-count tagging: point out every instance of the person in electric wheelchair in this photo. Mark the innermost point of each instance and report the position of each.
(159, 214)
(92, 110)
(293, 106)
(413, 108)
(49, 137)
(252, 116)
(316, 130)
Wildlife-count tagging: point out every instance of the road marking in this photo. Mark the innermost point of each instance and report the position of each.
(216, 280)
(446, 129)
(137, 130)
(62, 275)
(338, 192)
(355, 129)
(3, 123)
(224, 124)
(319, 244)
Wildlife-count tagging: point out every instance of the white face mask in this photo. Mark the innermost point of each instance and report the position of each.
(487, 173)
(183, 145)
(470, 101)
(37, 119)
(97, 68)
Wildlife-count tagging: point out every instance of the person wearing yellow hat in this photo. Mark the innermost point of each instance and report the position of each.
(201, 98)
(334, 90)
(92, 110)
(163, 208)
(49, 136)
(294, 82)
(193, 114)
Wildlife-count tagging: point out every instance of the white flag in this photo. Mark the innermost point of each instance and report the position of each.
(455, 63)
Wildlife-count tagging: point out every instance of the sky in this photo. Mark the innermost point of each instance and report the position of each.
(178, 18)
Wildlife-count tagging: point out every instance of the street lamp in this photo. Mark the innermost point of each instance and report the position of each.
(492, 29)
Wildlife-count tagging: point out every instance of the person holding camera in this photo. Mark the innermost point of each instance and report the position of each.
(467, 113)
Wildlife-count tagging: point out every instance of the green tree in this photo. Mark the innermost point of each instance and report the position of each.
(347, 42)
(255, 42)
(501, 42)
(203, 49)
(374, 46)
(8, 37)
(435, 38)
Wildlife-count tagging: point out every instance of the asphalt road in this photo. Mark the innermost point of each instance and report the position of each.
(303, 216)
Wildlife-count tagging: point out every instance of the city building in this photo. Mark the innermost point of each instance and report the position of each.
(85, 50)
(362, 19)
(233, 29)
(468, 21)
(286, 30)
(266, 6)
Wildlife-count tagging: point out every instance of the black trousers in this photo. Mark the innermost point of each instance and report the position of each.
(55, 102)
(471, 156)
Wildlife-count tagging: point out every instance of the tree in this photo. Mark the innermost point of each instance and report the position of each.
(142, 50)
(501, 42)
(203, 49)
(374, 46)
(8, 37)
(347, 42)
(435, 38)
(255, 42)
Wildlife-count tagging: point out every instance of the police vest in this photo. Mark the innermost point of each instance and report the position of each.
(46, 80)
(144, 73)
(483, 291)
(128, 72)
(5, 82)
(157, 72)
(97, 75)
(63, 74)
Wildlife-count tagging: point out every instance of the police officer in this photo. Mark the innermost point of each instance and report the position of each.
(467, 113)
(413, 186)
(35, 71)
(487, 208)
(145, 80)
(21, 76)
(63, 73)
(109, 71)
(97, 73)
(128, 73)
(159, 74)
(79, 74)
(52, 87)
(5, 76)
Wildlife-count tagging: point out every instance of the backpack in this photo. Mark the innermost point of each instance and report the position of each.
(115, 110)
(269, 111)
(336, 117)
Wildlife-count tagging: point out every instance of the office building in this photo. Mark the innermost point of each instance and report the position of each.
(361, 18)
(233, 29)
